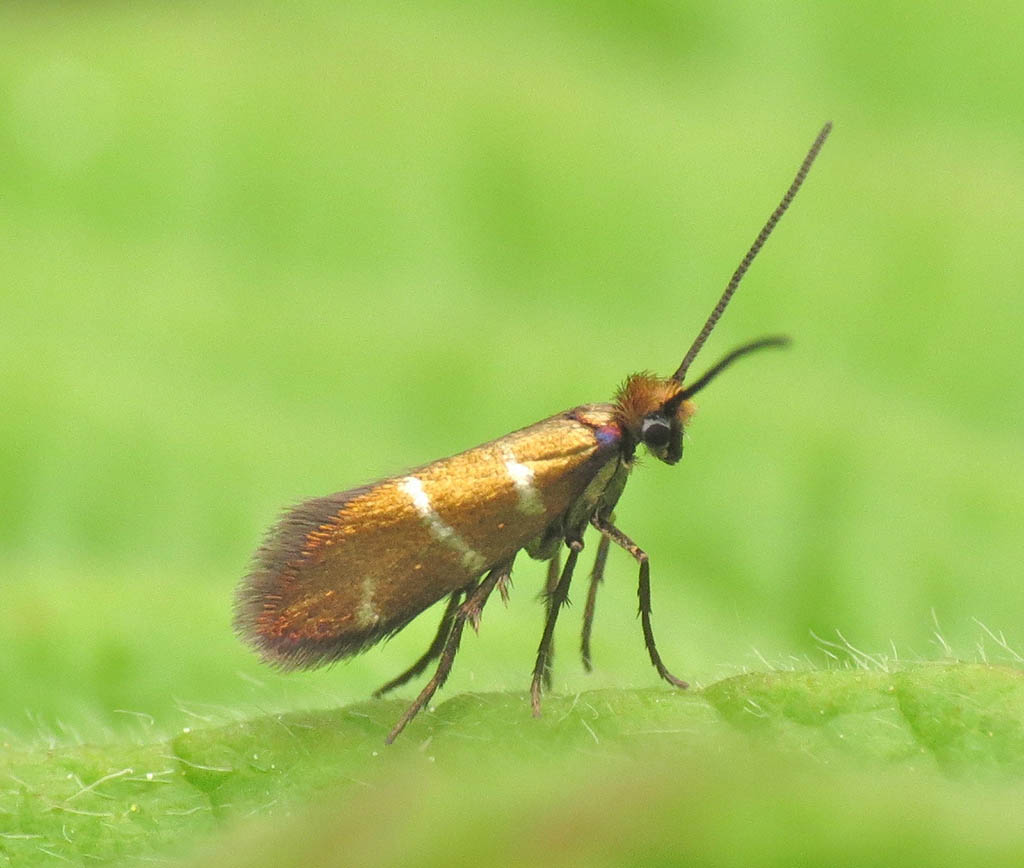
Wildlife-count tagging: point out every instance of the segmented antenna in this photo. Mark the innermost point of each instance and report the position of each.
(755, 248)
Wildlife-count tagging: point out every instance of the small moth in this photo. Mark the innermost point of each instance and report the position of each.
(337, 574)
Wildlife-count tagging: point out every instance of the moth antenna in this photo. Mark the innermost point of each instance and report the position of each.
(716, 369)
(755, 248)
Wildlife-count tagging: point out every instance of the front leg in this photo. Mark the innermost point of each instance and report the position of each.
(611, 532)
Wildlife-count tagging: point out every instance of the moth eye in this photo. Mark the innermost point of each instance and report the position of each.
(655, 432)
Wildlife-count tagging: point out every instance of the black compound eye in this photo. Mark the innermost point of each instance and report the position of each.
(656, 432)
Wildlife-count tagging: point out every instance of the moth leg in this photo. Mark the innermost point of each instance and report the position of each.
(556, 600)
(596, 577)
(554, 571)
(435, 649)
(469, 610)
(504, 583)
(643, 592)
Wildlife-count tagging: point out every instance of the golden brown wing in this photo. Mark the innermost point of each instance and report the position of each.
(338, 573)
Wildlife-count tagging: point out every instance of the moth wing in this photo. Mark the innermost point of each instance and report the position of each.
(338, 573)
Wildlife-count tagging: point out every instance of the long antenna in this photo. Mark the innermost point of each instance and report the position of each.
(738, 353)
(755, 248)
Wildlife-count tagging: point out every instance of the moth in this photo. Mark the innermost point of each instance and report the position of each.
(337, 574)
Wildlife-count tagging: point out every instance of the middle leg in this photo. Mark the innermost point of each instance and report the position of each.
(557, 599)
(554, 571)
(596, 577)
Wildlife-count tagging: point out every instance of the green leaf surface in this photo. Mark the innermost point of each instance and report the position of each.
(629, 756)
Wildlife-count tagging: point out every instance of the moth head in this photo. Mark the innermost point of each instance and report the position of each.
(655, 412)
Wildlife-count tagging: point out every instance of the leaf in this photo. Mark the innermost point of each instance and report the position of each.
(613, 775)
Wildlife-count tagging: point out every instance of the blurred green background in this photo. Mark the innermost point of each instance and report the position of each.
(253, 253)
